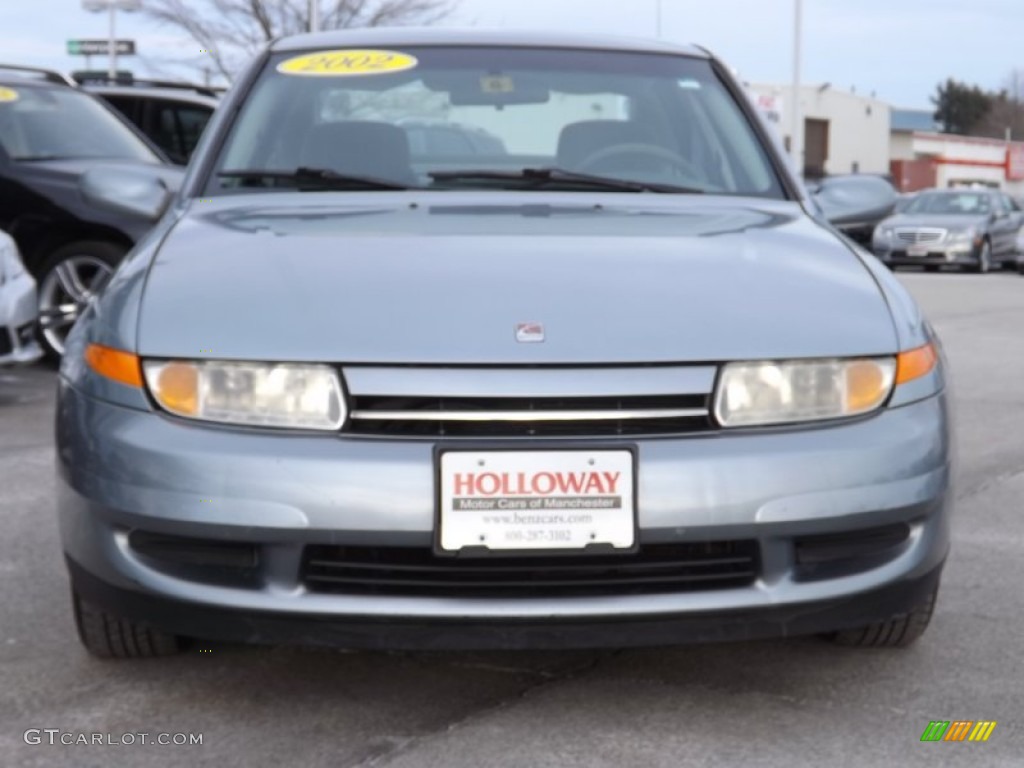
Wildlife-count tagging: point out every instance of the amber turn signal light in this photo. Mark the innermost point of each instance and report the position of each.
(915, 363)
(115, 364)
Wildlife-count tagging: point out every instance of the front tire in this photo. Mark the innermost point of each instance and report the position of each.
(108, 636)
(897, 632)
(984, 259)
(68, 279)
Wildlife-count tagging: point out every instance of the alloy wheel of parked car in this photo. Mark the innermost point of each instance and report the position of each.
(70, 277)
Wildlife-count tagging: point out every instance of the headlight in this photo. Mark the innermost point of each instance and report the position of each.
(883, 233)
(752, 394)
(963, 235)
(252, 394)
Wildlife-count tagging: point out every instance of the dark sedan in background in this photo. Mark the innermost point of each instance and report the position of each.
(972, 229)
(52, 134)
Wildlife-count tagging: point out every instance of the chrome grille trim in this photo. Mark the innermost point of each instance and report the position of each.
(532, 382)
(425, 401)
(914, 235)
(529, 416)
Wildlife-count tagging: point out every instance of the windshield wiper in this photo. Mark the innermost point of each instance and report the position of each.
(314, 178)
(550, 176)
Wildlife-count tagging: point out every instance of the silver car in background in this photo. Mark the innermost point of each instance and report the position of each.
(18, 308)
(969, 228)
(619, 383)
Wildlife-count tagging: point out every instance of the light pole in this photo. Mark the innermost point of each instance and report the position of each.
(314, 15)
(657, 18)
(112, 7)
(796, 133)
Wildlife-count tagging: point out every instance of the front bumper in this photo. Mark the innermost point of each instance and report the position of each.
(124, 470)
(964, 255)
(18, 308)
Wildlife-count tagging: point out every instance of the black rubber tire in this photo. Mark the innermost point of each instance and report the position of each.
(897, 632)
(109, 253)
(984, 265)
(107, 636)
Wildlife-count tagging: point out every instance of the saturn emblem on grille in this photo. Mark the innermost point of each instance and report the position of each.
(528, 333)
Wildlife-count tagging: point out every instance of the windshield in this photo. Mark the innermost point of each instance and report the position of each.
(447, 118)
(52, 123)
(968, 203)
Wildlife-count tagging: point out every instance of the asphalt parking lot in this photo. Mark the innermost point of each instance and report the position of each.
(787, 703)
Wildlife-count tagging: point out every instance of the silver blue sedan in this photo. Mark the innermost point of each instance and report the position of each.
(609, 378)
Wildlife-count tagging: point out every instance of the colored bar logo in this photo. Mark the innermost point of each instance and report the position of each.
(958, 730)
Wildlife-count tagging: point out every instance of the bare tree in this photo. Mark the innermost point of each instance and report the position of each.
(1005, 116)
(227, 32)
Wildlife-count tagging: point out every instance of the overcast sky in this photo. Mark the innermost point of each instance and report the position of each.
(898, 49)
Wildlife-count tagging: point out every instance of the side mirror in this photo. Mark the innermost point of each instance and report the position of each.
(854, 199)
(136, 192)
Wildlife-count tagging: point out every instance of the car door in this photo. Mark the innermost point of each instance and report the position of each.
(1014, 220)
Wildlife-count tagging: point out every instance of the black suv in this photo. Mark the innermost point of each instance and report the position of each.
(51, 135)
(173, 115)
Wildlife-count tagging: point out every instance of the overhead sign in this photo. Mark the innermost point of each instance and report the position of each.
(100, 47)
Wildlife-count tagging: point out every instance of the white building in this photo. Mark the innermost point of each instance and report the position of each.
(926, 158)
(844, 132)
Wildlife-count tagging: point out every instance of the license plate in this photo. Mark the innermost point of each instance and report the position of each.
(917, 250)
(536, 500)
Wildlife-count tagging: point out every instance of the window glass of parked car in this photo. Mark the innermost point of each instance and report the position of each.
(53, 123)
(970, 203)
(177, 128)
(645, 117)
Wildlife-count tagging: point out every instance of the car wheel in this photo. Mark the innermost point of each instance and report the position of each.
(67, 280)
(896, 632)
(984, 259)
(111, 637)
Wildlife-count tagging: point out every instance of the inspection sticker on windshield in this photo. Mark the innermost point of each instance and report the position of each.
(345, 63)
(8, 94)
(536, 499)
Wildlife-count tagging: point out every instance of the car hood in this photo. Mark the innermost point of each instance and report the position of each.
(445, 278)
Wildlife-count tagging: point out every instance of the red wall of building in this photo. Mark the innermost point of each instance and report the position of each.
(912, 175)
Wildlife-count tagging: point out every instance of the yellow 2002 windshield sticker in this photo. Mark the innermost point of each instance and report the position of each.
(344, 63)
(8, 94)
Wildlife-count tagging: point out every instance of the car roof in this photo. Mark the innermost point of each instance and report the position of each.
(424, 36)
(28, 81)
(22, 75)
(166, 94)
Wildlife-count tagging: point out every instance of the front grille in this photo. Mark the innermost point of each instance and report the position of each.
(528, 417)
(826, 556)
(914, 236)
(413, 571)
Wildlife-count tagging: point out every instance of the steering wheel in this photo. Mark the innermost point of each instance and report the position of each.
(677, 161)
